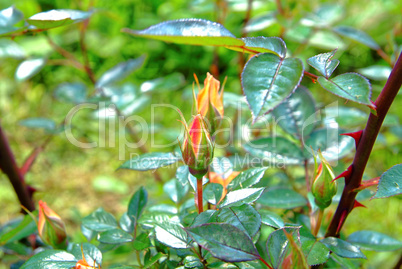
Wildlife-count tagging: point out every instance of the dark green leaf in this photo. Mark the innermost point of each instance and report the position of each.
(342, 248)
(294, 114)
(51, 259)
(350, 86)
(150, 161)
(99, 221)
(92, 253)
(247, 178)
(74, 93)
(153, 260)
(213, 193)
(271, 219)
(115, 236)
(260, 22)
(141, 242)
(390, 183)
(246, 196)
(278, 244)
(137, 204)
(205, 217)
(172, 235)
(244, 217)
(175, 190)
(25, 228)
(275, 150)
(267, 80)
(323, 63)
(57, 17)
(315, 252)
(357, 35)
(282, 198)
(169, 83)
(10, 16)
(374, 241)
(224, 241)
(345, 263)
(120, 71)
(29, 68)
(262, 44)
(190, 31)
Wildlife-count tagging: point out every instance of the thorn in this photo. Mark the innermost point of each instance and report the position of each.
(358, 204)
(346, 174)
(31, 190)
(341, 221)
(356, 136)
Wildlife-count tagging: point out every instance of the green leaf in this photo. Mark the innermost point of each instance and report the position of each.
(376, 241)
(153, 260)
(324, 16)
(282, 198)
(278, 244)
(262, 44)
(390, 183)
(247, 178)
(137, 204)
(142, 242)
(172, 235)
(42, 123)
(205, 217)
(150, 161)
(10, 49)
(294, 114)
(342, 248)
(74, 93)
(51, 259)
(213, 193)
(126, 223)
(271, 219)
(315, 252)
(169, 83)
(275, 150)
(25, 228)
(345, 116)
(260, 22)
(332, 145)
(183, 175)
(92, 254)
(345, 262)
(323, 63)
(29, 68)
(10, 16)
(115, 236)
(357, 35)
(57, 17)
(325, 40)
(175, 190)
(119, 72)
(191, 32)
(192, 262)
(350, 86)
(376, 72)
(99, 221)
(267, 80)
(244, 217)
(246, 196)
(224, 241)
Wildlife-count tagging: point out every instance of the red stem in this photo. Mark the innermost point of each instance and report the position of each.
(199, 196)
(364, 148)
(261, 259)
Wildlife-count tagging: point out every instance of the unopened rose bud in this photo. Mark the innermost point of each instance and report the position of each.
(323, 188)
(51, 227)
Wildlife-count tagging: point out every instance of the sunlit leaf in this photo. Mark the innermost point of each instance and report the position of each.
(213, 193)
(390, 183)
(169, 83)
(11, 49)
(74, 93)
(29, 68)
(92, 254)
(57, 17)
(247, 178)
(100, 221)
(137, 204)
(115, 236)
(172, 235)
(10, 16)
(324, 16)
(357, 35)
(323, 63)
(175, 190)
(51, 259)
(376, 72)
(260, 22)
(248, 195)
(271, 219)
(262, 44)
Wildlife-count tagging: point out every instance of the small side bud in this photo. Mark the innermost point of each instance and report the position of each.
(51, 227)
(323, 187)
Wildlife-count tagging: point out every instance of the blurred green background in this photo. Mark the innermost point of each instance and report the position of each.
(76, 181)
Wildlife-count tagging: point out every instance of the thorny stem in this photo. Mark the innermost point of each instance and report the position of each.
(364, 148)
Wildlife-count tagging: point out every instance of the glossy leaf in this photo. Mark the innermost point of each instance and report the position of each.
(92, 254)
(325, 40)
(29, 68)
(51, 259)
(169, 83)
(191, 32)
(350, 86)
(213, 193)
(315, 252)
(222, 166)
(192, 262)
(175, 190)
(323, 63)
(10, 16)
(275, 150)
(172, 235)
(57, 17)
(141, 242)
(247, 196)
(376, 72)
(119, 72)
(126, 223)
(150, 161)
(137, 204)
(278, 245)
(42, 123)
(184, 176)
(376, 241)
(115, 236)
(345, 116)
(153, 260)
(357, 35)
(260, 22)
(99, 221)
(271, 219)
(224, 241)
(26, 227)
(244, 217)
(262, 44)
(294, 114)
(247, 178)
(390, 183)
(342, 248)
(282, 198)
(74, 93)
(205, 217)
(267, 80)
